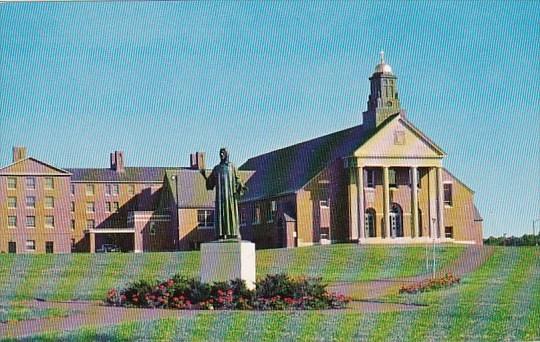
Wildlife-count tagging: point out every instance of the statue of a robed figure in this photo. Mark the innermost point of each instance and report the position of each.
(230, 257)
(228, 187)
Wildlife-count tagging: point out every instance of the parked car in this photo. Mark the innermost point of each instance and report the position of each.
(108, 248)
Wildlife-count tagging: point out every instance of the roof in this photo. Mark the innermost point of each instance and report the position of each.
(287, 170)
(5, 169)
(130, 174)
(189, 187)
(477, 216)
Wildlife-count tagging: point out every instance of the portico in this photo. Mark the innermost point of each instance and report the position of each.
(396, 187)
(392, 224)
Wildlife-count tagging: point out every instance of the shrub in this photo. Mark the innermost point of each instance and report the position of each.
(274, 292)
(431, 284)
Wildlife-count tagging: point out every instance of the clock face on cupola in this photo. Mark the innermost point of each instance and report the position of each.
(383, 100)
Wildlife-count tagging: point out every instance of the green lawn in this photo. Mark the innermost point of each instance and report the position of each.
(499, 301)
(86, 276)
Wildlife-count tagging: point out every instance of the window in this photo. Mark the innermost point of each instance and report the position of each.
(30, 222)
(89, 189)
(116, 206)
(323, 204)
(108, 207)
(49, 202)
(90, 224)
(243, 216)
(30, 183)
(12, 202)
(370, 222)
(419, 178)
(108, 189)
(49, 183)
(72, 207)
(72, 224)
(49, 247)
(152, 229)
(392, 178)
(449, 232)
(257, 215)
(12, 183)
(49, 221)
(115, 189)
(72, 189)
(131, 189)
(447, 194)
(90, 207)
(30, 245)
(399, 137)
(12, 247)
(12, 221)
(271, 212)
(205, 218)
(30, 202)
(370, 178)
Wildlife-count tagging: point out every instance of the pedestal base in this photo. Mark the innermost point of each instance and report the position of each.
(228, 260)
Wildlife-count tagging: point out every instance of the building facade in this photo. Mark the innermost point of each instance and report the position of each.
(379, 182)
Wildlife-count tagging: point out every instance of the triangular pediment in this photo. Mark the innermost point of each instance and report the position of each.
(399, 139)
(32, 166)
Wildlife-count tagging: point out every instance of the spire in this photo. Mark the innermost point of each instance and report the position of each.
(383, 100)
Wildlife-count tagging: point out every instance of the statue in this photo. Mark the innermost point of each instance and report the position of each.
(229, 188)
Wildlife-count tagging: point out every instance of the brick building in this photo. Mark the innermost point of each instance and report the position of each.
(379, 182)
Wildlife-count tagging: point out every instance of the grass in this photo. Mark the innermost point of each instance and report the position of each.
(18, 312)
(498, 301)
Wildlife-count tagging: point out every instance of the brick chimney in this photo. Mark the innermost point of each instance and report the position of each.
(19, 153)
(117, 161)
(197, 161)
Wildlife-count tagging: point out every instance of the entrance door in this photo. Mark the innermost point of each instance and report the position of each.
(396, 221)
(12, 247)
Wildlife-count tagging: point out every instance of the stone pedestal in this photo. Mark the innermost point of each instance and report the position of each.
(228, 260)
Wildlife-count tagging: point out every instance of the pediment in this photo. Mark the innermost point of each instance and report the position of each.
(32, 166)
(399, 139)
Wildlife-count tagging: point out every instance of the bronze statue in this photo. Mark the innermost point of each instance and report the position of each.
(229, 188)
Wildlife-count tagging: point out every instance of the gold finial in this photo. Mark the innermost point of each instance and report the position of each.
(382, 56)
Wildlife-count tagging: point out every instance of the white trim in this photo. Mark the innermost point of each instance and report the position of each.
(66, 173)
(109, 230)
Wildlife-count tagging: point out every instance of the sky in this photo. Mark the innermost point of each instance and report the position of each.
(161, 80)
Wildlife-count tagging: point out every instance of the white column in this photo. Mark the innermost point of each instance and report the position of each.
(353, 205)
(414, 199)
(440, 203)
(361, 207)
(386, 203)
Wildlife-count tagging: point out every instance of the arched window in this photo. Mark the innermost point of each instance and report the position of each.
(370, 222)
(396, 221)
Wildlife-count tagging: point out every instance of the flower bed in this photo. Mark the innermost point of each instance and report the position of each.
(431, 284)
(274, 292)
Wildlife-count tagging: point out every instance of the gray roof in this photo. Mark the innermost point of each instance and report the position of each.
(477, 216)
(130, 174)
(287, 170)
(189, 188)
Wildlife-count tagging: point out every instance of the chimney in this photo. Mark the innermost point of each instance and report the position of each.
(19, 153)
(197, 161)
(117, 161)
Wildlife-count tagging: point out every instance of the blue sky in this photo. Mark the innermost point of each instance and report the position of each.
(162, 80)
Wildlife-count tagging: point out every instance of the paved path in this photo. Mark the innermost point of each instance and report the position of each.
(469, 261)
(96, 314)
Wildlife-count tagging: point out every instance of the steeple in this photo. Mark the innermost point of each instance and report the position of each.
(383, 99)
